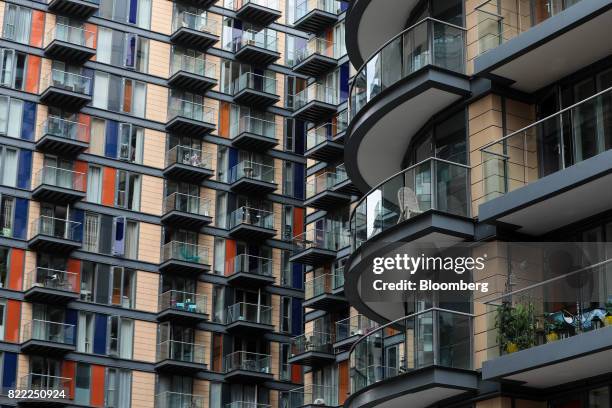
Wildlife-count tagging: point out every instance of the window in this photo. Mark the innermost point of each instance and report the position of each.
(287, 222)
(8, 166)
(339, 45)
(222, 164)
(137, 12)
(7, 208)
(11, 116)
(128, 190)
(91, 232)
(118, 388)
(117, 94)
(131, 240)
(17, 23)
(221, 210)
(215, 395)
(83, 383)
(286, 269)
(12, 68)
(124, 288)
(131, 142)
(2, 311)
(289, 135)
(94, 184)
(218, 304)
(285, 315)
(219, 261)
(97, 138)
(288, 178)
(121, 49)
(285, 368)
(121, 332)
(85, 333)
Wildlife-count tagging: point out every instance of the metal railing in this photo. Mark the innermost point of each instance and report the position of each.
(244, 263)
(430, 337)
(55, 227)
(431, 184)
(42, 382)
(266, 39)
(338, 276)
(313, 395)
(245, 404)
(252, 170)
(64, 178)
(70, 34)
(255, 82)
(54, 332)
(181, 351)
(543, 147)
(252, 216)
(183, 251)
(257, 126)
(429, 42)
(67, 81)
(317, 135)
(315, 92)
(170, 399)
(249, 312)
(197, 66)
(66, 129)
(187, 203)
(315, 341)
(191, 110)
(189, 156)
(332, 240)
(271, 4)
(184, 19)
(303, 7)
(183, 301)
(341, 174)
(358, 325)
(246, 361)
(320, 183)
(322, 284)
(49, 278)
(315, 45)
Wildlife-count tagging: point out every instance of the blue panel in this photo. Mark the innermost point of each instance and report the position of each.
(21, 218)
(298, 180)
(89, 73)
(28, 121)
(78, 216)
(298, 276)
(343, 5)
(299, 132)
(9, 371)
(133, 11)
(101, 327)
(25, 169)
(344, 81)
(296, 316)
(118, 248)
(71, 318)
(112, 139)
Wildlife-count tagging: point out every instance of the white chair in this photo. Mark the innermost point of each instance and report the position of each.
(408, 203)
(319, 401)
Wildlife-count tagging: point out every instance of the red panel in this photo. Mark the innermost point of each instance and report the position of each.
(108, 186)
(296, 374)
(13, 318)
(81, 182)
(224, 119)
(329, 36)
(74, 266)
(32, 73)
(69, 371)
(16, 271)
(91, 29)
(343, 381)
(230, 254)
(97, 386)
(298, 221)
(38, 25)
(85, 120)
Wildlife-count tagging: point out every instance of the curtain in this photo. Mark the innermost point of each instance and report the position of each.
(9, 168)
(82, 333)
(125, 338)
(90, 240)
(105, 45)
(138, 156)
(96, 143)
(144, 14)
(94, 185)
(125, 388)
(136, 188)
(15, 118)
(138, 100)
(4, 113)
(100, 93)
(131, 240)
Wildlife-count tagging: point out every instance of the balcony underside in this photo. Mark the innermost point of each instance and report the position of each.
(46, 347)
(315, 111)
(416, 389)
(518, 62)
(243, 327)
(181, 317)
(191, 82)
(552, 364)
(189, 127)
(185, 220)
(312, 358)
(65, 51)
(60, 146)
(58, 195)
(246, 279)
(316, 21)
(326, 301)
(186, 172)
(202, 4)
(255, 98)
(51, 244)
(555, 200)
(313, 256)
(251, 232)
(346, 343)
(256, 56)
(327, 151)
(327, 200)
(74, 8)
(194, 39)
(373, 152)
(178, 367)
(252, 141)
(65, 99)
(245, 185)
(257, 13)
(183, 267)
(41, 294)
(315, 65)
(346, 187)
(248, 376)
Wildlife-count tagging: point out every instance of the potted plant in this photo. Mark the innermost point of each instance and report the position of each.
(515, 327)
(551, 329)
(608, 318)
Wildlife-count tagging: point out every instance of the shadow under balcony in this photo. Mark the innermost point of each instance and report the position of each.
(251, 224)
(255, 90)
(258, 48)
(192, 74)
(185, 163)
(260, 12)
(322, 142)
(54, 235)
(63, 137)
(60, 386)
(312, 349)
(190, 118)
(324, 292)
(249, 177)
(315, 103)
(48, 338)
(316, 247)
(246, 367)
(66, 90)
(249, 271)
(254, 133)
(315, 58)
(319, 193)
(194, 31)
(248, 319)
(186, 211)
(68, 43)
(315, 16)
(45, 285)
(180, 358)
(182, 308)
(80, 9)
(184, 258)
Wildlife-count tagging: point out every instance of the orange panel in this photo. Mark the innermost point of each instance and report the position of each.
(108, 186)
(97, 386)
(127, 96)
(230, 254)
(343, 381)
(298, 221)
(329, 36)
(16, 270)
(93, 29)
(38, 26)
(81, 167)
(69, 371)
(32, 73)
(13, 318)
(85, 120)
(217, 360)
(74, 266)
(224, 120)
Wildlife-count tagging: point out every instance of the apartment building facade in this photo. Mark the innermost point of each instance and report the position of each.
(153, 187)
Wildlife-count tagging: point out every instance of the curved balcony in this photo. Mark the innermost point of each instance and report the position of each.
(262, 12)
(428, 202)
(63, 137)
(258, 48)
(248, 318)
(46, 337)
(46, 285)
(250, 177)
(184, 258)
(185, 163)
(66, 90)
(190, 118)
(253, 133)
(249, 270)
(255, 90)
(182, 307)
(315, 58)
(413, 77)
(74, 44)
(251, 224)
(179, 357)
(192, 74)
(194, 30)
(417, 361)
(243, 366)
(186, 211)
(314, 16)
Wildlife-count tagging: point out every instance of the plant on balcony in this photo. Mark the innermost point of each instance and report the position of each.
(515, 327)
(608, 318)
(552, 329)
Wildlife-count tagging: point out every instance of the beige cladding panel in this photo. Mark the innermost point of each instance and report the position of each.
(147, 290)
(143, 389)
(157, 102)
(148, 247)
(154, 149)
(160, 11)
(159, 59)
(151, 195)
(145, 341)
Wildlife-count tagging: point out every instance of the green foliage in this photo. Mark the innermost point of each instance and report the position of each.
(515, 325)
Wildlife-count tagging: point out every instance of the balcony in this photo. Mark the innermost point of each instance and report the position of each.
(80, 9)
(184, 258)
(192, 74)
(260, 12)
(514, 38)
(423, 73)
(190, 118)
(343, 184)
(60, 186)
(183, 308)
(315, 103)
(259, 48)
(248, 319)
(48, 338)
(314, 396)
(350, 329)
(245, 404)
(249, 177)
(185, 163)
(251, 224)
(319, 193)
(417, 361)
(170, 399)
(63, 137)
(177, 357)
(65, 90)
(255, 90)
(54, 391)
(562, 324)
(314, 16)
(323, 292)
(46, 285)
(534, 181)
(325, 142)
(67, 43)
(315, 58)
(312, 349)
(186, 211)
(249, 271)
(251, 368)
(316, 247)
(49, 234)
(251, 133)
(194, 31)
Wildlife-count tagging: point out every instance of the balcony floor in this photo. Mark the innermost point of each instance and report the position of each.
(51, 244)
(65, 51)
(178, 367)
(191, 82)
(315, 111)
(245, 328)
(181, 316)
(258, 14)
(245, 185)
(63, 98)
(194, 39)
(255, 98)
(313, 256)
(246, 279)
(312, 358)
(190, 127)
(256, 55)
(327, 151)
(46, 347)
(183, 267)
(247, 376)
(252, 141)
(315, 65)
(60, 146)
(41, 294)
(251, 232)
(185, 220)
(315, 21)
(80, 9)
(58, 195)
(186, 172)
